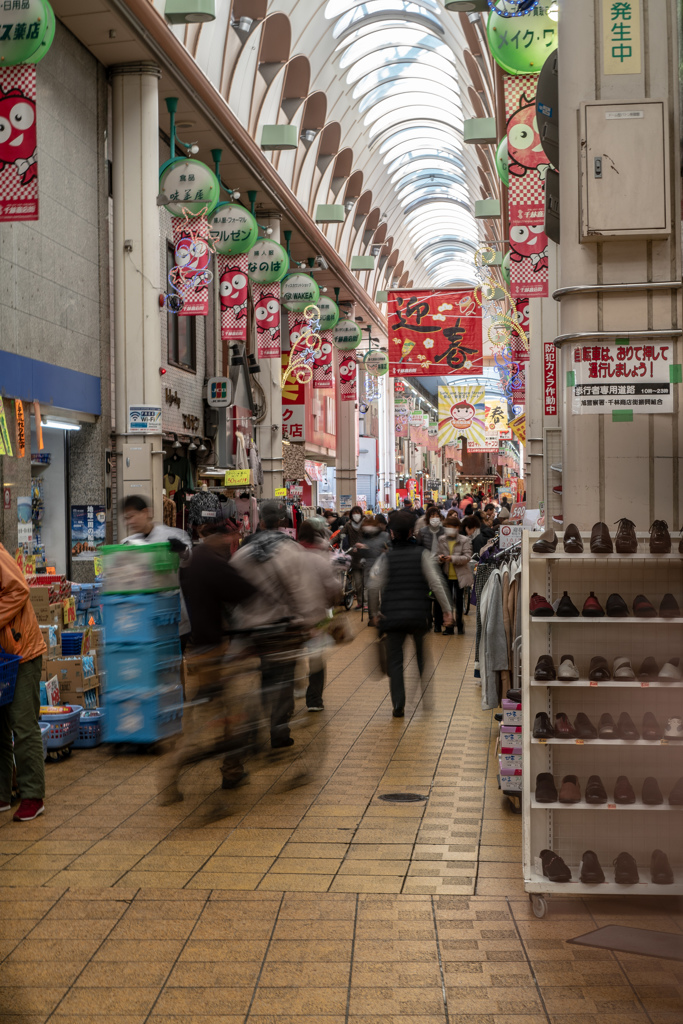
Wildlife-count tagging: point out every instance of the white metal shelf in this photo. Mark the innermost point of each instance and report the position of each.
(614, 684)
(539, 883)
(565, 620)
(609, 806)
(588, 556)
(606, 743)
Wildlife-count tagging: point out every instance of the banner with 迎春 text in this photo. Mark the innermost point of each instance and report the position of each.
(434, 333)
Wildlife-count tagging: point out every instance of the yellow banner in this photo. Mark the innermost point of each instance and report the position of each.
(518, 427)
(462, 414)
(4, 431)
(21, 428)
(621, 37)
(237, 477)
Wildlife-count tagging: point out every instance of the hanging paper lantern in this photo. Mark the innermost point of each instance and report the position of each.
(502, 165)
(190, 186)
(346, 335)
(506, 269)
(232, 229)
(376, 363)
(329, 313)
(268, 262)
(299, 291)
(511, 46)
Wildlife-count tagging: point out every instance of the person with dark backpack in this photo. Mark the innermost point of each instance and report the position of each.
(401, 581)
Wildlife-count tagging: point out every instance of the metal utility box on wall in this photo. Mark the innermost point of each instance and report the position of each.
(618, 200)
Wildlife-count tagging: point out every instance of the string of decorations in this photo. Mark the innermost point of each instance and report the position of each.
(305, 348)
(190, 269)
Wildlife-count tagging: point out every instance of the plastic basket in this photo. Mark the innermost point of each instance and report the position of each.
(139, 568)
(140, 618)
(142, 667)
(44, 730)
(71, 644)
(63, 731)
(90, 729)
(9, 667)
(134, 717)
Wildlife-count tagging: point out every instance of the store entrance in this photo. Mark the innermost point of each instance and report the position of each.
(50, 496)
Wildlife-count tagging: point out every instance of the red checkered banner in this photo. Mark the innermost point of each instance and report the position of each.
(233, 288)
(517, 350)
(267, 313)
(348, 377)
(190, 277)
(18, 149)
(528, 166)
(323, 369)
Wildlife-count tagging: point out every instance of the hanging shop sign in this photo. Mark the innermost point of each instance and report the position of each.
(18, 147)
(348, 377)
(621, 37)
(490, 443)
(376, 363)
(329, 313)
(520, 45)
(268, 262)
(401, 416)
(502, 161)
(621, 377)
(144, 419)
(462, 413)
(233, 293)
(237, 478)
(520, 315)
(416, 428)
(88, 528)
(218, 392)
(299, 291)
(21, 427)
(497, 418)
(432, 437)
(434, 333)
(518, 427)
(518, 383)
(323, 369)
(189, 186)
(191, 276)
(346, 335)
(232, 229)
(28, 28)
(549, 378)
(528, 166)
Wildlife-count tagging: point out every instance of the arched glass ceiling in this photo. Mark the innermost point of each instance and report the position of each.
(405, 78)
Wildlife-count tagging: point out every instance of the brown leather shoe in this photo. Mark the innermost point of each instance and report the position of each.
(546, 543)
(660, 539)
(601, 542)
(570, 791)
(626, 541)
(573, 544)
(564, 730)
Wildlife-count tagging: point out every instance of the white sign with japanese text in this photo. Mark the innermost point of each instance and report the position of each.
(621, 37)
(622, 376)
(144, 419)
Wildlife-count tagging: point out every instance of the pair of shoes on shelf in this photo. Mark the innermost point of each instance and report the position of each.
(625, 868)
(625, 541)
(596, 794)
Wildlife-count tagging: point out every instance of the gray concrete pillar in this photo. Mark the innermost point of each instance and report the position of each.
(269, 432)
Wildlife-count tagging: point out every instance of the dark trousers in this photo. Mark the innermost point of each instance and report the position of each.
(277, 694)
(316, 682)
(394, 648)
(20, 718)
(457, 602)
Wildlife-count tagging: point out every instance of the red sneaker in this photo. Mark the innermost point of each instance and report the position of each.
(28, 810)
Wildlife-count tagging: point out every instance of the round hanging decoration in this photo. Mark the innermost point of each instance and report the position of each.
(376, 363)
(232, 229)
(502, 165)
(522, 48)
(268, 262)
(506, 269)
(346, 335)
(512, 8)
(28, 28)
(299, 291)
(329, 313)
(190, 186)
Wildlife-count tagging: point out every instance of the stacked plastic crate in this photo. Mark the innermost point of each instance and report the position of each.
(141, 607)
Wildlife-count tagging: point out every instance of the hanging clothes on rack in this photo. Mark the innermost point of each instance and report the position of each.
(241, 457)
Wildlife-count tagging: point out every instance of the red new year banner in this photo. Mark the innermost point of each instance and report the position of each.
(549, 378)
(191, 275)
(348, 377)
(434, 333)
(267, 315)
(18, 150)
(323, 370)
(528, 166)
(233, 288)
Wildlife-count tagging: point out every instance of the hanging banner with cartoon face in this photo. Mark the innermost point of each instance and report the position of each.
(266, 298)
(293, 398)
(462, 413)
(527, 168)
(348, 377)
(191, 276)
(18, 152)
(323, 370)
(233, 291)
(401, 417)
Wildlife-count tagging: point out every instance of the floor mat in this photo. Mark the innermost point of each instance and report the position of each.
(665, 945)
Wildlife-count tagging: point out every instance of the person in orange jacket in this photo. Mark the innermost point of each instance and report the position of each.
(20, 635)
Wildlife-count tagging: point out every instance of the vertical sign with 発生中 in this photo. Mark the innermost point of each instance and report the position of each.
(549, 378)
(18, 151)
(88, 526)
(621, 37)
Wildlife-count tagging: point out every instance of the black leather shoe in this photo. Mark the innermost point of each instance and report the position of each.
(573, 544)
(546, 543)
(649, 671)
(566, 609)
(590, 868)
(626, 729)
(554, 867)
(626, 541)
(625, 870)
(601, 542)
(660, 869)
(651, 727)
(652, 794)
(543, 727)
(546, 790)
(660, 538)
(607, 730)
(585, 730)
(616, 607)
(545, 669)
(398, 713)
(599, 670)
(515, 695)
(676, 794)
(623, 791)
(595, 792)
(668, 608)
(642, 608)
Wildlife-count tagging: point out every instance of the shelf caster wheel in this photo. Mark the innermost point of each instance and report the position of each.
(539, 905)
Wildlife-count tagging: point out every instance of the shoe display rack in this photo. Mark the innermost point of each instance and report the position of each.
(611, 828)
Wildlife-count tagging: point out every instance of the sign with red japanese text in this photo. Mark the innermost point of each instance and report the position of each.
(401, 415)
(490, 443)
(434, 333)
(549, 378)
(293, 406)
(462, 413)
(348, 377)
(528, 166)
(233, 230)
(18, 149)
(266, 299)
(323, 370)
(622, 376)
(233, 289)
(190, 276)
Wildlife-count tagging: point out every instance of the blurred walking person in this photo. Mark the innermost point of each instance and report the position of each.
(454, 555)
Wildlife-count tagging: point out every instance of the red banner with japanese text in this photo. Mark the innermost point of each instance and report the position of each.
(434, 333)
(528, 166)
(266, 299)
(549, 378)
(18, 149)
(191, 275)
(323, 370)
(233, 288)
(348, 377)
(293, 401)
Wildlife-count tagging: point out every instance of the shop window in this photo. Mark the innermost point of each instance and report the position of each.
(182, 332)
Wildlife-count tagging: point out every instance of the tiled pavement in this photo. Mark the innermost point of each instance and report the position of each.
(315, 902)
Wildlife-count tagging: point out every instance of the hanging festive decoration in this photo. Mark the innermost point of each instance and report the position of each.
(305, 343)
(372, 387)
(434, 333)
(293, 400)
(462, 412)
(190, 276)
(348, 376)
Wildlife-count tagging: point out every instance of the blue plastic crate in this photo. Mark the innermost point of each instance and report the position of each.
(141, 618)
(44, 730)
(9, 667)
(63, 730)
(142, 667)
(71, 644)
(132, 716)
(90, 729)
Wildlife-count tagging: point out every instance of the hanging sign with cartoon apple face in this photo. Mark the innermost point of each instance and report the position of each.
(233, 293)
(18, 148)
(267, 317)
(348, 376)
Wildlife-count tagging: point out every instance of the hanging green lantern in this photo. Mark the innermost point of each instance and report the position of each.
(299, 291)
(232, 229)
(520, 45)
(502, 165)
(189, 186)
(329, 313)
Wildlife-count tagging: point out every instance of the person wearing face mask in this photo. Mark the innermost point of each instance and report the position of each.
(373, 544)
(429, 535)
(454, 554)
(351, 538)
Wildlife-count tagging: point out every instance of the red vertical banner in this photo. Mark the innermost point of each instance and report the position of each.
(549, 378)
(323, 370)
(518, 384)
(267, 314)
(528, 166)
(191, 275)
(233, 289)
(293, 401)
(18, 149)
(517, 350)
(348, 377)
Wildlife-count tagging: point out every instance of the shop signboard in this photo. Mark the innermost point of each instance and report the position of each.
(237, 478)
(490, 443)
(18, 146)
(510, 535)
(88, 528)
(401, 417)
(27, 28)
(329, 313)
(233, 229)
(268, 262)
(24, 521)
(434, 333)
(218, 392)
(346, 335)
(293, 406)
(621, 35)
(549, 378)
(521, 44)
(622, 377)
(299, 291)
(144, 419)
(462, 413)
(190, 187)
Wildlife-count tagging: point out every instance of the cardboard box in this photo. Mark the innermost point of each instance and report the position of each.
(69, 672)
(97, 638)
(75, 694)
(512, 712)
(51, 615)
(40, 599)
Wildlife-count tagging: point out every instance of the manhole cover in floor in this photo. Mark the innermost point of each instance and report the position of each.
(402, 798)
